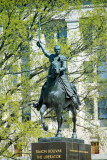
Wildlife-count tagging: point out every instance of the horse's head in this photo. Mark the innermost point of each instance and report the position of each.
(56, 67)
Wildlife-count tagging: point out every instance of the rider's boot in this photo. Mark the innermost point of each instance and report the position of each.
(37, 106)
(40, 102)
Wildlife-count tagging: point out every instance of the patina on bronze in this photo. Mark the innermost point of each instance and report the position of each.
(58, 92)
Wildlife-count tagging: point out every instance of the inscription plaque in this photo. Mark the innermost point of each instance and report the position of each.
(61, 151)
(46, 151)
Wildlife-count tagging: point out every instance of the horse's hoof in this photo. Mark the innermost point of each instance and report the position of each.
(45, 127)
(74, 135)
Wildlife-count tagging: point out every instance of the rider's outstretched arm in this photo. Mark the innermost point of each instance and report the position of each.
(43, 49)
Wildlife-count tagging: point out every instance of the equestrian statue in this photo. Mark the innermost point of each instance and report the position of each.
(57, 92)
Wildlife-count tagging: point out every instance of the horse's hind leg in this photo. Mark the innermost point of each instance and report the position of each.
(42, 111)
(59, 120)
(74, 135)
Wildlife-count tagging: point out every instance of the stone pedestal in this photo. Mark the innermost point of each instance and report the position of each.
(60, 149)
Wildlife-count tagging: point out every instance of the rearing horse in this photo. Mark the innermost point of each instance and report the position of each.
(54, 96)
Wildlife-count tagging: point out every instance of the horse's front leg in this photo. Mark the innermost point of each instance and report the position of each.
(42, 111)
(59, 121)
(74, 113)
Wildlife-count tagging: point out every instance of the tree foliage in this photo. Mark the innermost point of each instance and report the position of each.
(19, 26)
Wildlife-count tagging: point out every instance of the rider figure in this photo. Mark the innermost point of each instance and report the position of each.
(69, 90)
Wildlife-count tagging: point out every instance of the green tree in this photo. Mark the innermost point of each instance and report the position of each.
(18, 27)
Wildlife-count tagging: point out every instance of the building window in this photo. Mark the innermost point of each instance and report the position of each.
(89, 108)
(62, 34)
(55, 27)
(26, 116)
(88, 71)
(102, 71)
(88, 2)
(102, 108)
(18, 151)
(14, 77)
(95, 147)
(49, 35)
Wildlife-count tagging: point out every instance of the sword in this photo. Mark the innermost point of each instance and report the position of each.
(38, 43)
(39, 27)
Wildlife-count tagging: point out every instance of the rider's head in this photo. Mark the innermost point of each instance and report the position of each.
(57, 49)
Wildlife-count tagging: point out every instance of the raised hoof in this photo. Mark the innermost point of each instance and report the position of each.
(74, 135)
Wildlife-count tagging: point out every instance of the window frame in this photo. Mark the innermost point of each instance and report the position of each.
(87, 100)
(101, 71)
(100, 108)
(95, 147)
(49, 31)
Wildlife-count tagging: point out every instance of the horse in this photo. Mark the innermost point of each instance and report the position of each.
(54, 96)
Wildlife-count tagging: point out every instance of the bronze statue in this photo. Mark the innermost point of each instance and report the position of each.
(58, 92)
